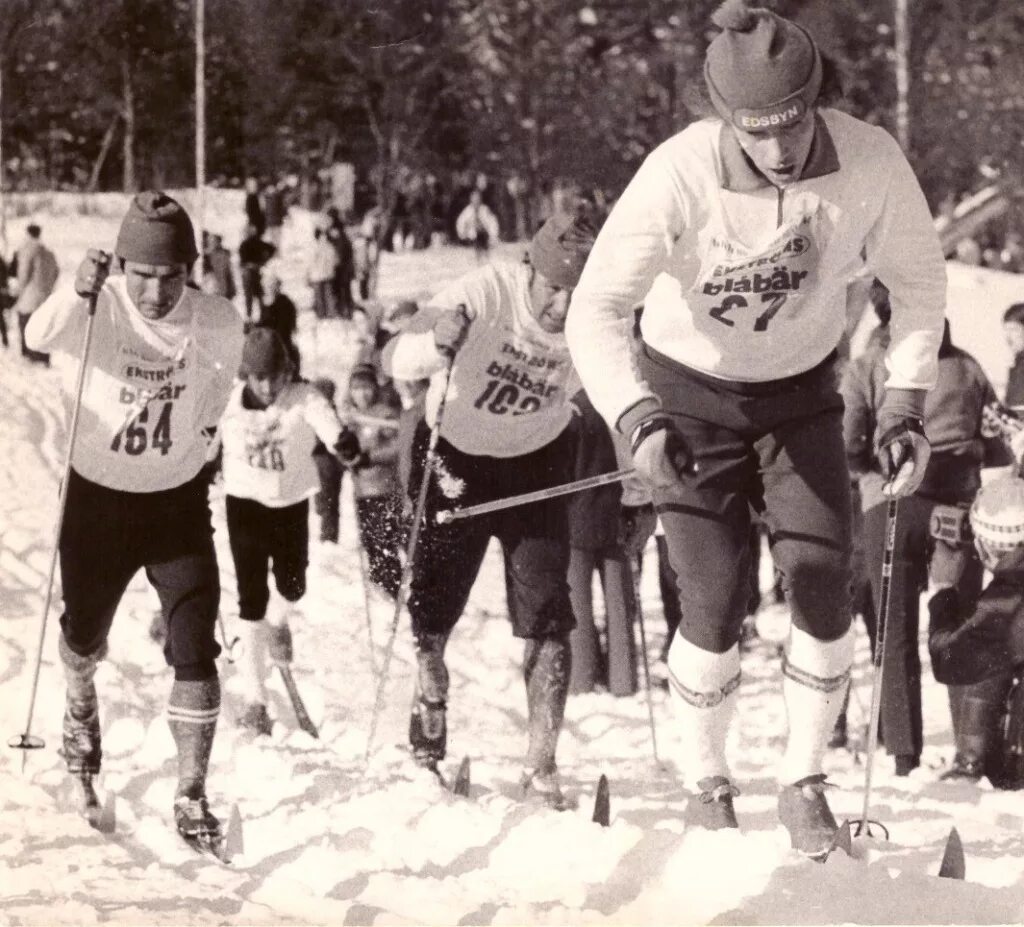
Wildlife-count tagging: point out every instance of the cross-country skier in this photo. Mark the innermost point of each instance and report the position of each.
(503, 432)
(159, 369)
(268, 432)
(739, 235)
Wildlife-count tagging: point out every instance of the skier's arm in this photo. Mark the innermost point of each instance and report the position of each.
(631, 250)
(413, 353)
(59, 323)
(322, 417)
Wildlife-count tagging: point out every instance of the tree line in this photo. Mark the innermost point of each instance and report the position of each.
(100, 94)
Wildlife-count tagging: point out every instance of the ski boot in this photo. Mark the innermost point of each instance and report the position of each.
(545, 785)
(196, 825)
(711, 808)
(964, 769)
(804, 812)
(256, 719)
(81, 747)
(428, 732)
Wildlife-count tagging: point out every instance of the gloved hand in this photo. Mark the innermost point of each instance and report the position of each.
(661, 455)
(902, 450)
(347, 447)
(92, 273)
(947, 564)
(451, 329)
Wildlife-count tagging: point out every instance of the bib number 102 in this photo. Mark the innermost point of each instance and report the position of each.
(135, 437)
(501, 398)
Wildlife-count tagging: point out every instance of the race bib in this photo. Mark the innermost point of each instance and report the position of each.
(756, 289)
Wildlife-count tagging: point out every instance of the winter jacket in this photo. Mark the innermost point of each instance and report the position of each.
(37, 276)
(217, 269)
(254, 251)
(747, 282)
(989, 641)
(952, 424)
(323, 262)
(474, 221)
(378, 476)
(1015, 383)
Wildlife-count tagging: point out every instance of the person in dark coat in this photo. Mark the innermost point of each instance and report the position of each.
(254, 215)
(253, 254)
(1013, 330)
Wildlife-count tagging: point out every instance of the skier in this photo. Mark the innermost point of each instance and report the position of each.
(504, 431)
(269, 429)
(977, 647)
(739, 235)
(160, 367)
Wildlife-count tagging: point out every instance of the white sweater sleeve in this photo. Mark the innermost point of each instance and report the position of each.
(904, 251)
(412, 354)
(631, 250)
(59, 323)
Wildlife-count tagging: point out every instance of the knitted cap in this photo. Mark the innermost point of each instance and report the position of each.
(560, 248)
(762, 70)
(156, 230)
(997, 515)
(264, 354)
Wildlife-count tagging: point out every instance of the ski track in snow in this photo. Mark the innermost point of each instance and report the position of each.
(330, 840)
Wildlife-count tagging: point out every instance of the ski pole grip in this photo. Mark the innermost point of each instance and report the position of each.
(102, 264)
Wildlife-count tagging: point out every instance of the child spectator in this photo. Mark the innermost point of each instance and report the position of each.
(375, 478)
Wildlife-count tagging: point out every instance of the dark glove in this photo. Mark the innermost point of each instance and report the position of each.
(903, 453)
(450, 330)
(92, 273)
(347, 447)
(661, 455)
(636, 525)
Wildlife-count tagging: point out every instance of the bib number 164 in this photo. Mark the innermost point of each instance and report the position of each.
(135, 437)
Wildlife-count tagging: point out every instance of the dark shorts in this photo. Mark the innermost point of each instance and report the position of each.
(534, 538)
(108, 535)
(774, 448)
(264, 538)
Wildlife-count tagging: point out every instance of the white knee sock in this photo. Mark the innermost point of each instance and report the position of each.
(251, 663)
(816, 675)
(703, 686)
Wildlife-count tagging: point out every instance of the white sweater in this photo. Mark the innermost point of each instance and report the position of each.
(745, 281)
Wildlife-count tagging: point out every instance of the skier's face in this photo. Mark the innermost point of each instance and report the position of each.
(550, 303)
(267, 389)
(361, 392)
(779, 153)
(1014, 332)
(155, 288)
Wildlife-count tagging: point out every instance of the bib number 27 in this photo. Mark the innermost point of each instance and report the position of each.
(136, 437)
(773, 302)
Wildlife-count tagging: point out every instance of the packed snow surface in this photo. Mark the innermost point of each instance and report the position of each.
(332, 839)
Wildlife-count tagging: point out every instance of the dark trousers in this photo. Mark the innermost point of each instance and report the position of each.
(901, 674)
(328, 501)
(262, 539)
(775, 448)
(108, 535)
(252, 289)
(380, 533)
(592, 663)
(534, 539)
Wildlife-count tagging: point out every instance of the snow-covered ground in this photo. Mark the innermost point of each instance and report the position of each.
(331, 840)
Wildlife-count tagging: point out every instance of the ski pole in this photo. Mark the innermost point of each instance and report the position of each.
(410, 556)
(538, 495)
(863, 826)
(26, 740)
(645, 660)
(363, 575)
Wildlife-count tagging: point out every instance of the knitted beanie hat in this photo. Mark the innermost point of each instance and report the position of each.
(156, 230)
(264, 354)
(560, 248)
(761, 70)
(997, 514)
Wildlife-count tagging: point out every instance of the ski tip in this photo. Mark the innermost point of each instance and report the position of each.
(953, 864)
(234, 840)
(106, 821)
(843, 839)
(460, 786)
(602, 803)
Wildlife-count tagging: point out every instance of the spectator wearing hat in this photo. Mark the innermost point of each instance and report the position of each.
(161, 362)
(375, 476)
(270, 426)
(37, 274)
(504, 432)
(739, 235)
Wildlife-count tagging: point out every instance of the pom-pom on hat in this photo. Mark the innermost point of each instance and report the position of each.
(560, 248)
(762, 71)
(264, 354)
(156, 230)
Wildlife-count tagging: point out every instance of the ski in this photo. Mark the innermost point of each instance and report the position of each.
(298, 706)
(841, 840)
(953, 865)
(602, 806)
(459, 785)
